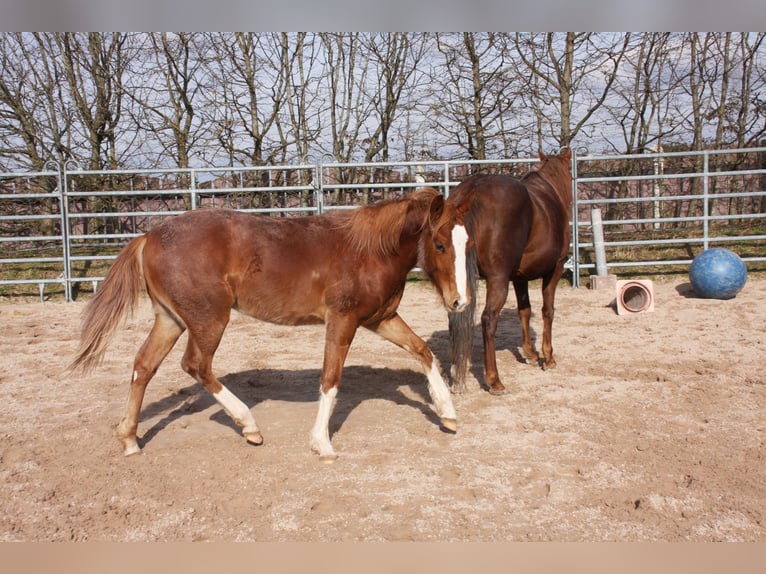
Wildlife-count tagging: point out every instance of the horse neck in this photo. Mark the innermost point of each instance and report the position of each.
(413, 234)
(561, 184)
(390, 232)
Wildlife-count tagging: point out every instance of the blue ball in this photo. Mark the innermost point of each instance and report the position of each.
(717, 273)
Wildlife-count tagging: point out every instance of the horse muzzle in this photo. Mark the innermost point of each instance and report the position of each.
(456, 304)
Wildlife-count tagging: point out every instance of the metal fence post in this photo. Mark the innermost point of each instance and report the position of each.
(193, 188)
(446, 179)
(575, 225)
(318, 180)
(319, 189)
(318, 186)
(705, 201)
(64, 194)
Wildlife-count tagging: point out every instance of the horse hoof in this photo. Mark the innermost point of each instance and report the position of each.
(254, 438)
(130, 450)
(497, 391)
(449, 424)
(328, 458)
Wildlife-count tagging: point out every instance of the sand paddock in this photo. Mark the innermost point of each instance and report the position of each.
(652, 427)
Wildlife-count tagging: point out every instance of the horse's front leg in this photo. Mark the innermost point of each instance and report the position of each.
(497, 293)
(338, 337)
(398, 332)
(524, 309)
(549, 298)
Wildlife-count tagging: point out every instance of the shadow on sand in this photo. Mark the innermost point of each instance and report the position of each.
(359, 383)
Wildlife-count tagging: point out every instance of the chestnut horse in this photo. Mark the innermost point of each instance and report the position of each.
(343, 269)
(520, 229)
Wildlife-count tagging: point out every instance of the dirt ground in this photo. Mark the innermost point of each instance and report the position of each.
(651, 428)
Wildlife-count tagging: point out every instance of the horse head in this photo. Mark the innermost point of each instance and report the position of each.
(444, 250)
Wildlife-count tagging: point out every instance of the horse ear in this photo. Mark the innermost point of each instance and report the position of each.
(541, 155)
(436, 209)
(437, 205)
(566, 153)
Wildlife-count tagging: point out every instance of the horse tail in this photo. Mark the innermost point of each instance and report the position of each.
(116, 298)
(461, 329)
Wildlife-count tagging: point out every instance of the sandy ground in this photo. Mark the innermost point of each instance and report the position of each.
(652, 427)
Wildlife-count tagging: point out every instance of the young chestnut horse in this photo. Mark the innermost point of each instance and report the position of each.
(346, 270)
(520, 230)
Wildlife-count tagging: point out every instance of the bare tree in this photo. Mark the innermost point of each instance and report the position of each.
(249, 92)
(571, 75)
(394, 59)
(168, 93)
(641, 99)
(346, 104)
(731, 73)
(31, 130)
(93, 68)
(472, 93)
(299, 57)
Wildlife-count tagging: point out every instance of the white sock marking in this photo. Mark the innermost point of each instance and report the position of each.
(459, 242)
(440, 393)
(320, 433)
(236, 409)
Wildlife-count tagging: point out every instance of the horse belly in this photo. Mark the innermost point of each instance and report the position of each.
(280, 299)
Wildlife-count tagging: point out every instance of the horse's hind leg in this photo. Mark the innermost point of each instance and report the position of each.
(399, 333)
(524, 308)
(198, 362)
(163, 336)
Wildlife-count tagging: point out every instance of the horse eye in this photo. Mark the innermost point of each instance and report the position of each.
(440, 247)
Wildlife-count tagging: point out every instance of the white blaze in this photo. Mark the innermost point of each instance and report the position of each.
(459, 242)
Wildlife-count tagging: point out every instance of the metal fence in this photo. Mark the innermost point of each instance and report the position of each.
(661, 209)
(60, 228)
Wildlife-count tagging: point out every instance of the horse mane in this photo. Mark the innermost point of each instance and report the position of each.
(377, 228)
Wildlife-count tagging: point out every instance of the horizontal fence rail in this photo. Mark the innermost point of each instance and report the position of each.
(60, 228)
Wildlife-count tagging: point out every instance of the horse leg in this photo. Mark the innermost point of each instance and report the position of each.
(163, 336)
(338, 337)
(399, 333)
(549, 297)
(497, 293)
(198, 362)
(524, 308)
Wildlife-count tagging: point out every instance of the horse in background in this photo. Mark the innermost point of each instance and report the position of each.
(521, 232)
(346, 270)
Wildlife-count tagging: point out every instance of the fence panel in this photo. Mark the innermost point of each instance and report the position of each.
(32, 242)
(60, 228)
(659, 210)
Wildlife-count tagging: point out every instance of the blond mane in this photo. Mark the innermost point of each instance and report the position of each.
(377, 228)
